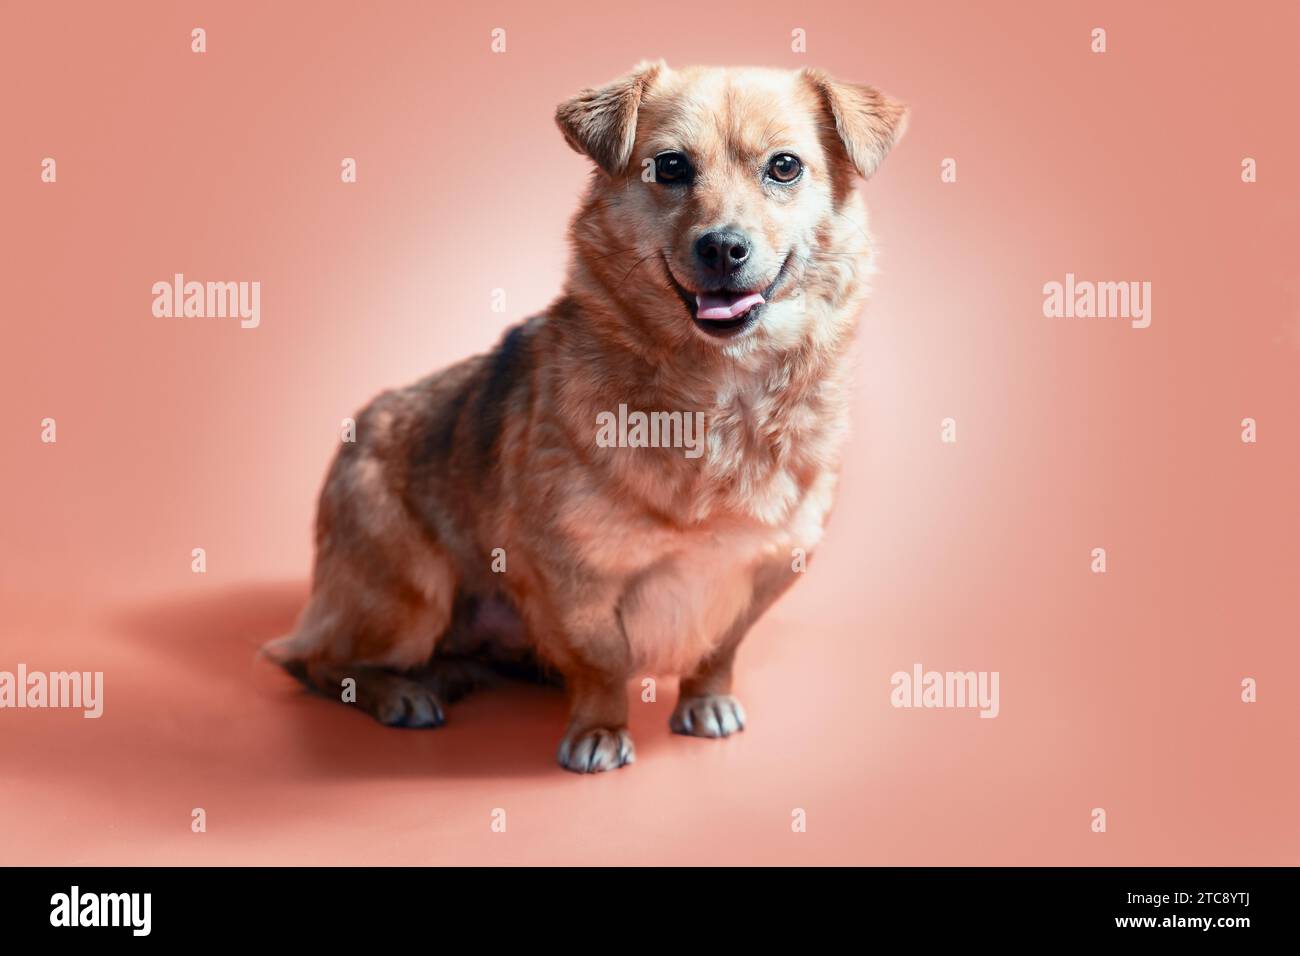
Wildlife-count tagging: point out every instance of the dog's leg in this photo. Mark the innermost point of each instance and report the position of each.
(393, 686)
(597, 738)
(590, 652)
(391, 698)
(705, 705)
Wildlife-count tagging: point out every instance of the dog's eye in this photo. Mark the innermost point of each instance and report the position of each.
(784, 168)
(673, 168)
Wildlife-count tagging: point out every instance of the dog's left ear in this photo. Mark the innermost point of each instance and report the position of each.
(869, 122)
(602, 123)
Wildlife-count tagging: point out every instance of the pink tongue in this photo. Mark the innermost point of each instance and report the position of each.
(725, 306)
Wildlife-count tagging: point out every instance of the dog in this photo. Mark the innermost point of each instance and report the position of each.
(476, 525)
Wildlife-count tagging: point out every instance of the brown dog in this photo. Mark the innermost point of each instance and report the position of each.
(550, 505)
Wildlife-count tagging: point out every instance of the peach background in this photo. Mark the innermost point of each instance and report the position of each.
(1119, 691)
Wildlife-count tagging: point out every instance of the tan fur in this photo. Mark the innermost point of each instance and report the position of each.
(620, 561)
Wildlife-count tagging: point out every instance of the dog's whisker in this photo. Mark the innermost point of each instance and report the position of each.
(775, 136)
(635, 266)
(616, 252)
(860, 230)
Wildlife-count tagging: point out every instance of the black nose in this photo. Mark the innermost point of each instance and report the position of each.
(722, 252)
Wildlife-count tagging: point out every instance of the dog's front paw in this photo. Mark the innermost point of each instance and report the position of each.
(712, 715)
(600, 748)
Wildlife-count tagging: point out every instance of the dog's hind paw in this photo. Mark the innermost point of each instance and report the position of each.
(713, 715)
(398, 702)
(598, 749)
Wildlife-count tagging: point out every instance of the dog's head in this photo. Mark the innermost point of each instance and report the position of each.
(724, 208)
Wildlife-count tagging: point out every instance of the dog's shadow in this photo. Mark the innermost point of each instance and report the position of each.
(224, 685)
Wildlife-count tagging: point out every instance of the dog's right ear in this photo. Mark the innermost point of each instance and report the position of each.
(602, 123)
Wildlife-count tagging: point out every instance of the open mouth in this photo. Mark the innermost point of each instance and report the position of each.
(723, 313)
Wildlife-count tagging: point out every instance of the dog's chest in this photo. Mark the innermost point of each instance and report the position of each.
(682, 605)
(679, 609)
(678, 540)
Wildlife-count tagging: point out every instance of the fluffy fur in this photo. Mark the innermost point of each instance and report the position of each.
(619, 561)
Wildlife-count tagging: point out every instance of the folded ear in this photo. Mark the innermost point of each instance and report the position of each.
(868, 121)
(602, 122)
